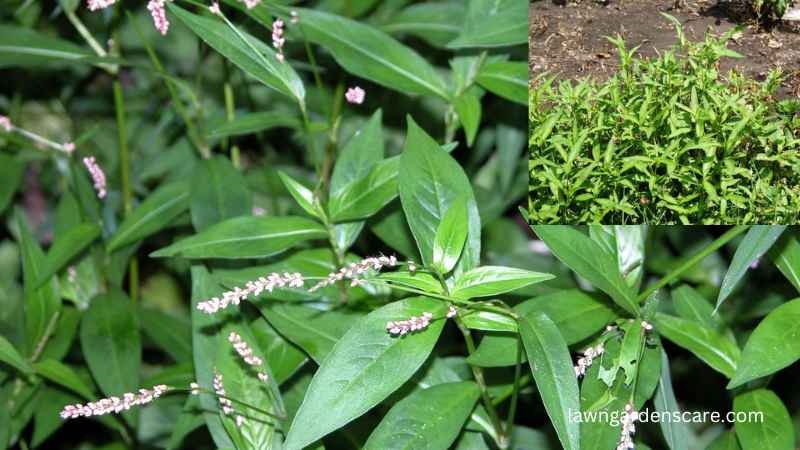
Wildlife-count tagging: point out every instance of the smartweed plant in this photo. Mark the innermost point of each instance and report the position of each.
(261, 225)
(665, 140)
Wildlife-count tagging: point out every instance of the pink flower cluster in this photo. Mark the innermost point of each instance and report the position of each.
(94, 5)
(628, 428)
(586, 361)
(256, 287)
(5, 123)
(355, 95)
(414, 323)
(97, 174)
(354, 270)
(247, 354)
(159, 14)
(277, 38)
(114, 404)
(250, 4)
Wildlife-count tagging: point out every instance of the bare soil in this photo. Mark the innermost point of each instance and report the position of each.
(569, 40)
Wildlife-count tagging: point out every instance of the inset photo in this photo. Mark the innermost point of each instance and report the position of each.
(664, 112)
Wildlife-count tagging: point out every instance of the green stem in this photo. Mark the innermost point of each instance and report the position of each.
(87, 36)
(230, 114)
(238, 402)
(515, 395)
(691, 262)
(124, 167)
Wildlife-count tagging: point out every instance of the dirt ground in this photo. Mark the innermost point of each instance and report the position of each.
(569, 40)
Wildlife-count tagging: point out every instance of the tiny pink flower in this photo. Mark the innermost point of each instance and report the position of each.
(114, 405)
(244, 350)
(414, 323)
(69, 147)
(159, 14)
(258, 211)
(5, 123)
(94, 5)
(97, 174)
(277, 38)
(219, 388)
(451, 311)
(355, 270)
(214, 8)
(295, 18)
(255, 287)
(250, 4)
(355, 95)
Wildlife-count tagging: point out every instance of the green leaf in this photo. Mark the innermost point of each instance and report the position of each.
(417, 280)
(372, 54)
(251, 55)
(246, 237)
(391, 227)
(172, 334)
(10, 356)
(589, 260)
(110, 343)
(206, 342)
(756, 242)
(63, 375)
(66, 247)
(493, 23)
(551, 366)
(436, 23)
(577, 315)
(156, 212)
(364, 367)
(713, 348)
(42, 304)
(427, 419)
(285, 359)
(451, 234)
(773, 345)
(786, 254)
(488, 321)
(23, 47)
(508, 79)
(252, 123)
(301, 194)
(313, 330)
(468, 108)
(774, 429)
(366, 196)
(218, 192)
(11, 170)
(486, 281)
(691, 305)
(675, 432)
(430, 182)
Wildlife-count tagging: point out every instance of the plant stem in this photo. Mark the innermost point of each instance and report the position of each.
(238, 402)
(477, 373)
(514, 396)
(124, 167)
(87, 36)
(230, 114)
(691, 262)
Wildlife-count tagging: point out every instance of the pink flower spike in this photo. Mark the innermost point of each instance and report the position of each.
(156, 8)
(5, 123)
(114, 405)
(94, 5)
(414, 323)
(214, 8)
(97, 174)
(355, 95)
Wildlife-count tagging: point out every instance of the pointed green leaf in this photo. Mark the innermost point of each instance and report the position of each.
(364, 367)
(493, 23)
(152, 215)
(713, 348)
(246, 237)
(451, 234)
(218, 192)
(508, 79)
(252, 123)
(551, 366)
(773, 345)
(417, 280)
(66, 247)
(774, 429)
(486, 281)
(63, 375)
(675, 432)
(436, 23)
(786, 254)
(756, 242)
(366, 196)
(172, 334)
(301, 194)
(428, 419)
(10, 356)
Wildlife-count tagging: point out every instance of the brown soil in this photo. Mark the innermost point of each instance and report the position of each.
(570, 42)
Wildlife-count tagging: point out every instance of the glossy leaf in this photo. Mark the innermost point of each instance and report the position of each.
(436, 23)
(430, 181)
(10, 356)
(508, 79)
(756, 242)
(366, 196)
(156, 212)
(285, 359)
(23, 47)
(468, 108)
(66, 247)
(246, 237)
(372, 54)
(416, 280)
(675, 432)
(551, 366)
(773, 345)
(488, 281)
(451, 234)
(301, 194)
(251, 55)
(427, 419)
(251, 123)
(63, 375)
(786, 254)
(171, 333)
(493, 23)
(589, 260)
(218, 192)
(714, 349)
(364, 367)
(773, 431)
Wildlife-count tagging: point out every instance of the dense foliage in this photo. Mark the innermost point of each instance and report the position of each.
(287, 204)
(665, 140)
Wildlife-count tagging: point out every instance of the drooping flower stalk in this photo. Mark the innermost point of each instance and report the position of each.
(94, 5)
(355, 270)
(277, 38)
(586, 360)
(98, 176)
(8, 127)
(114, 405)
(355, 95)
(255, 287)
(628, 428)
(158, 11)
